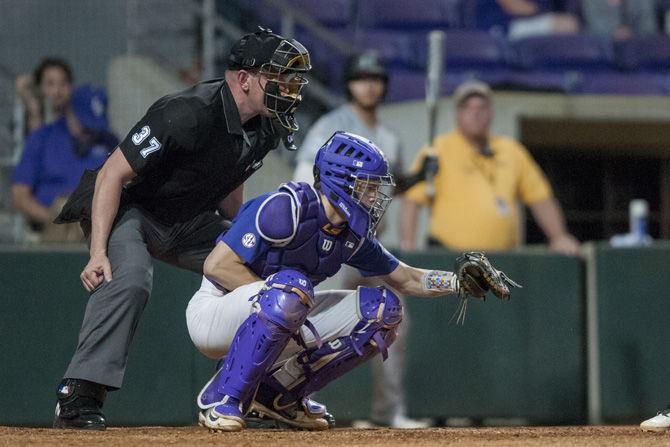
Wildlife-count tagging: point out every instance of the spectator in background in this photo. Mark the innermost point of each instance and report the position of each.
(56, 155)
(523, 18)
(481, 178)
(620, 19)
(366, 84)
(45, 94)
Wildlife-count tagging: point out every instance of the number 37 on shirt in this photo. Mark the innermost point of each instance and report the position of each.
(139, 137)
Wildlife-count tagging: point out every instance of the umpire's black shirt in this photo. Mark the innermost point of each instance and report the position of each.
(189, 151)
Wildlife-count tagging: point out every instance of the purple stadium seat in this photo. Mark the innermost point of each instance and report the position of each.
(583, 52)
(456, 12)
(406, 85)
(468, 50)
(538, 81)
(327, 62)
(494, 78)
(623, 84)
(649, 53)
(395, 47)
(329, 13)
(573, 7)
(407, 15)
(410, 85)
(468, 10)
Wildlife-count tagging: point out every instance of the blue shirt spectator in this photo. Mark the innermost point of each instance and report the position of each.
(523, 18)
(56, 155)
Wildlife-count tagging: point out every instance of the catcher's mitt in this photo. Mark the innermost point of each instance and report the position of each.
(476, 276)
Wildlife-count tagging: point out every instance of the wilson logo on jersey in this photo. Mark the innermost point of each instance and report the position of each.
(327, 245)
(249, 240)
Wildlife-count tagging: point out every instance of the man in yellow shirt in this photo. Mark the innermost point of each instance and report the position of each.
(481, 178)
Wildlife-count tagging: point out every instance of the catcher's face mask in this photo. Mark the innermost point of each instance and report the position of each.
(374, 194)
(285, 74)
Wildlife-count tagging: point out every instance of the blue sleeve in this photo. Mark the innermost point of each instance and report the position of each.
(27, 171)
(372, 259)
(243, 236)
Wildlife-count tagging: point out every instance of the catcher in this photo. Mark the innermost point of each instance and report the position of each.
(257, 307)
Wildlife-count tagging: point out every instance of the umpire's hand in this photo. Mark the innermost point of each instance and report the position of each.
(97, 270)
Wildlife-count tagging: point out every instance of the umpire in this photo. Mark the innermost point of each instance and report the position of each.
(158, 194)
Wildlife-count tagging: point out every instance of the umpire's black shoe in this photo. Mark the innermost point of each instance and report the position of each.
(80, 405)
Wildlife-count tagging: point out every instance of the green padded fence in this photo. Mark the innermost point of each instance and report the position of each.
(42, 304)
(523, 358)
(633, 288)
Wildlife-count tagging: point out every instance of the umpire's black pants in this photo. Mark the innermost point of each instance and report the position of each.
(114, 309)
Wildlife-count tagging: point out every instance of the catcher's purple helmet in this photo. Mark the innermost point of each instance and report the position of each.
(351, 171)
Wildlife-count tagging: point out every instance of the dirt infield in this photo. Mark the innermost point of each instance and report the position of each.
(194, 436)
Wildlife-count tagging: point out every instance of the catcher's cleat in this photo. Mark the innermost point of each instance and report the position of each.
(215, 421)
(304, 415)
(254, 420)
(660, 422)
(80, 405)
(330, 419)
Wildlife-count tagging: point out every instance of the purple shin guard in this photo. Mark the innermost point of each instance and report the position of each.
(311, 370)
(281, 308)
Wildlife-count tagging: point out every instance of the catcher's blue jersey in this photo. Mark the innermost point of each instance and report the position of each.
(288, 229)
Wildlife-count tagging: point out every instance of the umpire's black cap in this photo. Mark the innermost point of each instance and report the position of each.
(254, 49)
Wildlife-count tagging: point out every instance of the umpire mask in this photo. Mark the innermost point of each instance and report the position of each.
(285, 75)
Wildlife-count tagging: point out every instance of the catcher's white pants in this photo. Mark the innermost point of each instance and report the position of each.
(213, 317)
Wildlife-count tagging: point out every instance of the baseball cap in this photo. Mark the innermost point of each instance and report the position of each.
(90, 106)
(367, 64)
(471, 88)
(254, 49)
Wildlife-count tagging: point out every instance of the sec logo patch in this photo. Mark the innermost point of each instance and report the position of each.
(249, 240)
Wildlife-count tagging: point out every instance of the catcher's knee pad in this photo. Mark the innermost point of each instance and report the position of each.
(380, 313)
(286, 299)
(281, 307)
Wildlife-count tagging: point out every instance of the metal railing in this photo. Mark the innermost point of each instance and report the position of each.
(11, 119)
(12, 115)
(147, 34)
(292, 16)
(163, 30)
(211, 23)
